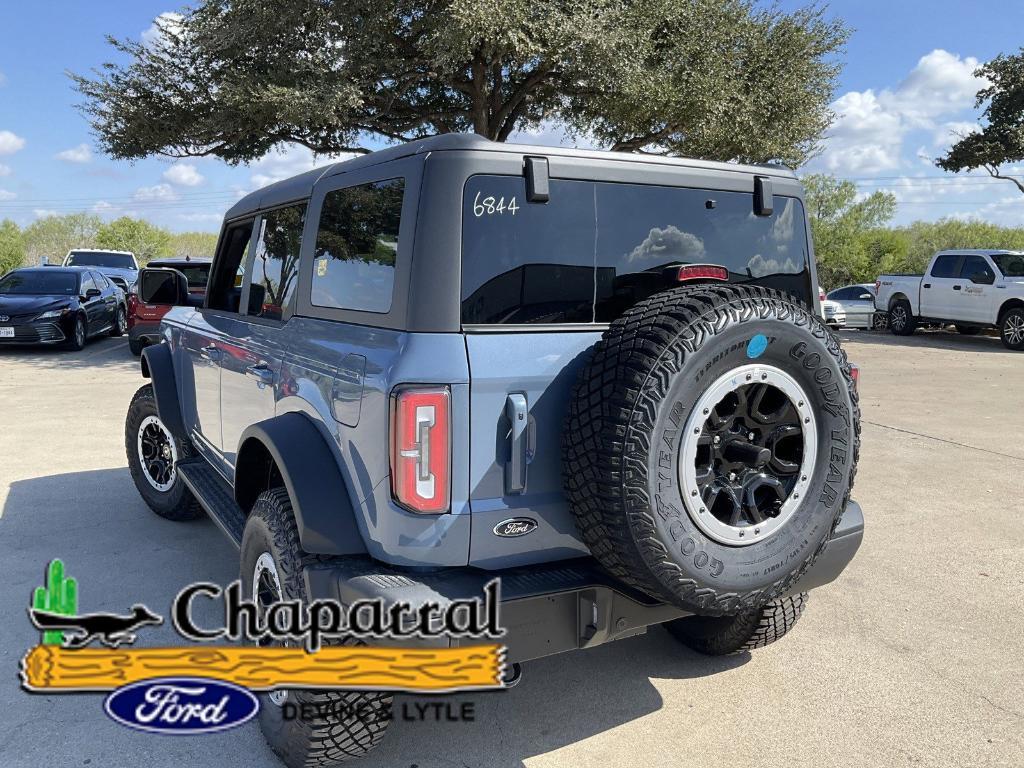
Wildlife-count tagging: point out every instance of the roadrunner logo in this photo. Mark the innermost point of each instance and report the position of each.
(203, 688)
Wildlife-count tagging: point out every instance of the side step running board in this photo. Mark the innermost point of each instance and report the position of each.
(215, 496)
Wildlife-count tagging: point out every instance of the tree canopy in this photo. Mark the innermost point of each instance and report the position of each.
(718, 79)
(1001, 139)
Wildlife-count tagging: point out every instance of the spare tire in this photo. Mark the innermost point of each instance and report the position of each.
(711, 445)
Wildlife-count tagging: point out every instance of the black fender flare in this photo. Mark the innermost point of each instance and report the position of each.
(323, 508)
(158, 367)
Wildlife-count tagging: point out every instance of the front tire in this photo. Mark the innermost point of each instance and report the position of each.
(152, 454)
(1011, 329)
(76, 342)
(725, 635)
(272, 560)
(901, 318)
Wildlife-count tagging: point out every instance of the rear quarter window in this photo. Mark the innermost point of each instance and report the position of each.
(356, 247)
(597, 248)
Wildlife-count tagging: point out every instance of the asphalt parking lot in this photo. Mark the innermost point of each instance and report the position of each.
(914, 657)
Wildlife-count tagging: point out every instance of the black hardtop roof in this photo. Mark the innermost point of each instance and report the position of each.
(301, 186)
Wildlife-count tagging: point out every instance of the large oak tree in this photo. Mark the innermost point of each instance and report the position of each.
(1000, 140)
(719, 79)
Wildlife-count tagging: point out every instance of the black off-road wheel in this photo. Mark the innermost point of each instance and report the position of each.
(901, 318)
(711, 445)
(340, 725)
(724, 635)
(135, 346)
(152, 454)
(1011, 329)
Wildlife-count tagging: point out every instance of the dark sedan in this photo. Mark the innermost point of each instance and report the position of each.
(56, 304)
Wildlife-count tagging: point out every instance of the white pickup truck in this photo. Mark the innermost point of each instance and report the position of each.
(974, 289)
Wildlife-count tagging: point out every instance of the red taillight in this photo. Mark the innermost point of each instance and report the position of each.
(421, 449)
(855, 375)
(688, 272)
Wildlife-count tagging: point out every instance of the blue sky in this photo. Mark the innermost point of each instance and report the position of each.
(906, 86)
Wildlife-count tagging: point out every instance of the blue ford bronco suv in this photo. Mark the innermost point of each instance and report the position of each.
(597, 376)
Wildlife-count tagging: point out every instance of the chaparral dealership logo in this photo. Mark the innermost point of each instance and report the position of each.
(204, 688)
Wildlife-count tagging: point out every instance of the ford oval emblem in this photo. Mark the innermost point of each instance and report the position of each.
(516, 526)
(181, 705)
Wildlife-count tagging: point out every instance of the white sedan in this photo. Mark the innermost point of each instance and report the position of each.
(857, 304)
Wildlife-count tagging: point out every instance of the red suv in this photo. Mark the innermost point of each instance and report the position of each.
(144, 318)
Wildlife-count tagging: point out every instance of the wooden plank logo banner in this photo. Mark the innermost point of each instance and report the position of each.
(54, 669)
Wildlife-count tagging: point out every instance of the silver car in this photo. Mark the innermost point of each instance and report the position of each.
(857, 303)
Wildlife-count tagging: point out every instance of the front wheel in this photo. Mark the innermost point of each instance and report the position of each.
(77, 339)
(724, 635)
(901, 318)
(1011, 329)
(153, 453)
(328, 727)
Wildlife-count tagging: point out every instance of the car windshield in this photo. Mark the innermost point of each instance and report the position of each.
(1010, 264)
(40, 283)
(100, 259)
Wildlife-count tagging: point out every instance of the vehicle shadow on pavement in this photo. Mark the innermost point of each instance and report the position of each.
(107, 352)
(121, 554)
(930, 339)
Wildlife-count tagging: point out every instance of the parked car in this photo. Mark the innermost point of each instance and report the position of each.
(857, 303)
(144, 314)
(972, 289)
(833, 314)
(120, 267)
(455, 360)
(59, 305)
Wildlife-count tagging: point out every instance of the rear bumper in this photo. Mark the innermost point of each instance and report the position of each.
(554, 607)
(149, 332)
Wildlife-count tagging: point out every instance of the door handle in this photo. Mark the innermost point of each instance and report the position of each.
(957, 287)
(210, 352)
(517, 412)
(927, 285)
(261, 373)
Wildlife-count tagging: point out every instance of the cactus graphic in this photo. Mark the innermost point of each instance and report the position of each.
(60, 595)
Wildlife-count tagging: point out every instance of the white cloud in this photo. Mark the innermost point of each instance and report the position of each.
(871, 126)
(152, 33)
(7, 194)
(950, 132)
(3, 79)
(80, 154)
(288, 160)
(671, 244)
(10, 143)
(44, 213)
(158, 192)
(183, 175)
(5, 170)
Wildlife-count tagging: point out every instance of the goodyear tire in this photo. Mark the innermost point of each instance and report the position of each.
(711, 445)
(306, 728)
(747, 631)
(153, 453)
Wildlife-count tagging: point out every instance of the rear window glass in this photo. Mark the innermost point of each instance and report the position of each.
(356, 247)
(945, 266)
(596, 248)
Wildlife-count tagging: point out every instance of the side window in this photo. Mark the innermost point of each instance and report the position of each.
(225, 288)
(945, 265)
(275, 267)
(974, 264)
(844, 293)
(87, 282)
(356, 246)
(100, 280)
